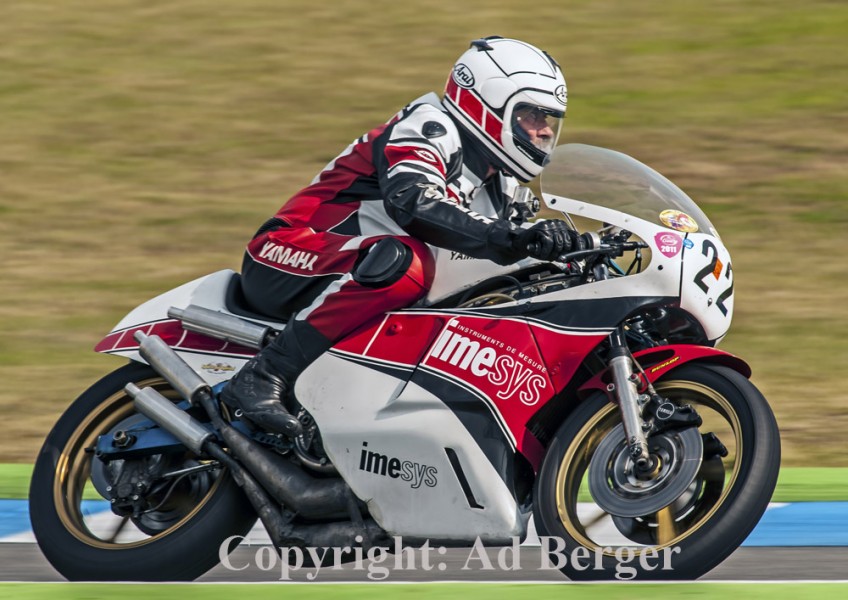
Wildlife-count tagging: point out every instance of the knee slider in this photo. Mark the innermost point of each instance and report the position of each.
(384, 264)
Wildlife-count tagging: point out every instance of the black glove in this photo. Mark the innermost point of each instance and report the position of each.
(547, 240)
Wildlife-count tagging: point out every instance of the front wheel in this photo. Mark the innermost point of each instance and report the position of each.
(702, 526)
(167, 514)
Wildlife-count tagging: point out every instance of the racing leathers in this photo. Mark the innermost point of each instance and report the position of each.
(411, 179)
(354, 244)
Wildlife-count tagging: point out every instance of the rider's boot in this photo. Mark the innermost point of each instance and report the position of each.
(261, 387)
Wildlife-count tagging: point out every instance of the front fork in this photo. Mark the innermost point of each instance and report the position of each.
(624, 389)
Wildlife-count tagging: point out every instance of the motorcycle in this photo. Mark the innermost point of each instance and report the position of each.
(587, 392)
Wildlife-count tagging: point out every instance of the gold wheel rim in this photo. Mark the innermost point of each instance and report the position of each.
(579, 452)
(73, 468)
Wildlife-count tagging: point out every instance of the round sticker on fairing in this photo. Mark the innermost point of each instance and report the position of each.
(678, 220)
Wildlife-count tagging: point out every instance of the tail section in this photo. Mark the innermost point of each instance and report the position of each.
(215, 359)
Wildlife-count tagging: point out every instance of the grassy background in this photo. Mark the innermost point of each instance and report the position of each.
(141, 144)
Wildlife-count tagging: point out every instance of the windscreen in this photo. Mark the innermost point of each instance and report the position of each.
(614, 180)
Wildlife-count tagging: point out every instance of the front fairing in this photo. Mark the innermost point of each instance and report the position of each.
(687, 260)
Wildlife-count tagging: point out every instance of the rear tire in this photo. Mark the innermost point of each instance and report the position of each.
(723, 509)
(61, 485)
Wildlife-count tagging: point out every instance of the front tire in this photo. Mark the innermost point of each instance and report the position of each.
(696, 532)
(84, 540)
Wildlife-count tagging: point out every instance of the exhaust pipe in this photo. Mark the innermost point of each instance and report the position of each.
(310, 497)
(290, 485)
(160, 410)
(284, 533)
(261, 474)
(222, 326)
(182, 377)
(332, 535)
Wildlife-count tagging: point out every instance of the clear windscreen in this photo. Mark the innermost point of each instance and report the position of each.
(614, 180)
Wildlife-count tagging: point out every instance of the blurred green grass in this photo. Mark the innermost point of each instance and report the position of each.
(468, 591)
(141, 144)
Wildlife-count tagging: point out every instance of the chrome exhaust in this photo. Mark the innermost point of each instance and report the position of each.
(222, 326)
(162, 411)
(165, 361)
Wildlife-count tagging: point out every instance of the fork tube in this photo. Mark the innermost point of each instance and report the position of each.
(625, 390)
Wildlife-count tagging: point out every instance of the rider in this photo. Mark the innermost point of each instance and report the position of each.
(354, 243)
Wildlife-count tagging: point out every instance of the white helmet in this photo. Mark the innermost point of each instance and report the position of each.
(511, 97)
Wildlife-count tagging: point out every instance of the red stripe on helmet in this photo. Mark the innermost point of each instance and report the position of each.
(451, 89)
(471, 106)
(494, 127)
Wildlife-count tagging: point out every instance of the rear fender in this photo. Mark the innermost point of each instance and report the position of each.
(659, 361)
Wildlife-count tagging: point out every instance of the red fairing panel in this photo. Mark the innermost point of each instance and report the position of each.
(173, 334)
(499, 358)
(658, 361)
(565, 351)
(400, 338)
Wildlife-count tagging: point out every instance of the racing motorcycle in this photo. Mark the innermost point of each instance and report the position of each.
(587, 392)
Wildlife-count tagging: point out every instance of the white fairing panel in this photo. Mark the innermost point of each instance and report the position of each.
(370, 419)
(707, 290)
(456, 272)
(208, 291)
(692, 266)
(659, 278)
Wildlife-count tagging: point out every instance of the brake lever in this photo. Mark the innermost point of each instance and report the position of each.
(572, 256)
(611, 249)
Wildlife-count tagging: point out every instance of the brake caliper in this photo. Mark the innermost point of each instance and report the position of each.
(662, 414)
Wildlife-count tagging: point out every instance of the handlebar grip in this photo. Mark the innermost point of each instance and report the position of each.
(533, 248)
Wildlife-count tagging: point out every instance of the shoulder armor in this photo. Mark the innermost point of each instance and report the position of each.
(433, 129)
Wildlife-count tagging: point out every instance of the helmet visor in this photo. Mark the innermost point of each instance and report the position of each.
(536, 128)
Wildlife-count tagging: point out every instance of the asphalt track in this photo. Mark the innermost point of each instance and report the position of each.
(24, 562)
(792, 542)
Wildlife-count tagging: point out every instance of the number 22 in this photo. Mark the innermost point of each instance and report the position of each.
(701, 275)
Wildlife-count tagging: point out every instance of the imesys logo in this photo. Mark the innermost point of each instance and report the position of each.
(512, 373)
(406, 470)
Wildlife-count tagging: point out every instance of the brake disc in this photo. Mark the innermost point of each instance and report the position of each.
(619, 489)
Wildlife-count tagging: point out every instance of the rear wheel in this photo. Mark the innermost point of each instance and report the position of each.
(170, 513)
(703, 525)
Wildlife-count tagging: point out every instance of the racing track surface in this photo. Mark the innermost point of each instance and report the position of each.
(792, 541)
(24, 562)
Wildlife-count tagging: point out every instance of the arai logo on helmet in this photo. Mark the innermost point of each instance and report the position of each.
(560, 94)
(463, 76)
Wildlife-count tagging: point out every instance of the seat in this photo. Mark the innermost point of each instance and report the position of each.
(236, 302)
